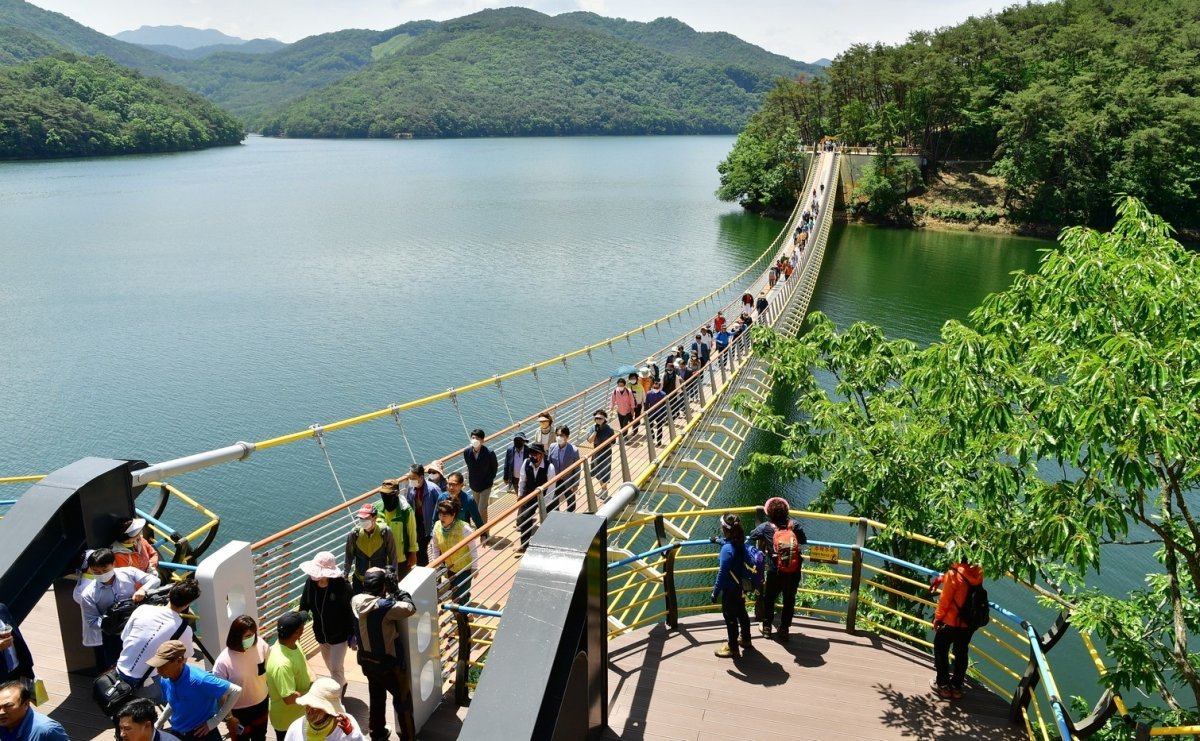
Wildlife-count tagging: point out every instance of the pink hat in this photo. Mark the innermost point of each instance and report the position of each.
(366, 512)
(323, 566)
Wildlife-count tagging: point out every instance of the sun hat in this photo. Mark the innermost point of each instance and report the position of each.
(435, 466)
(325, 694)
(323, 566)
(135, 526)
(166, 653)
(644, 371)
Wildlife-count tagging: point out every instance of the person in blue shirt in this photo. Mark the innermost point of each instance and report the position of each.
(563, 455)
(728, 589)
(422, 496)
(468, 510)
(197, 702)
(19, 721)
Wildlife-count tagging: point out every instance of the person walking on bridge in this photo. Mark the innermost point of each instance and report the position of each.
(465, 507)
(537, 474)
(482, 467)
(368, 545)
(422, 496)
(381, 626)
(399, 517)
(601, 433)
(622, 402)
(562, 456)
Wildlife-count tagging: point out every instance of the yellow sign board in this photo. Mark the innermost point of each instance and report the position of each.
(823, 554)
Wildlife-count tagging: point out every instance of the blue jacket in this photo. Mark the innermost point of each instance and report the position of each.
(428, 505)
(562, 457)
(468, 510)
(731, 570)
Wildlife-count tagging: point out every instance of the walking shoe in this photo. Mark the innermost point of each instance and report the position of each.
(765, 630)
(782, 635)
(725, 651)
(956, 693)
(939, 690)
(744, 641)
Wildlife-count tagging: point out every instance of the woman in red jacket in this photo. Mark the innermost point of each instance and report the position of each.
(950, 630)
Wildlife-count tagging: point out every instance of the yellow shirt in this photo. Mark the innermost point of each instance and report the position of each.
(287, 673)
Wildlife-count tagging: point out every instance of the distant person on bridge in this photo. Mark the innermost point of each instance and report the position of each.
(448, 532)
(622, 402)
(482, 468)
(326, 596)
(545, 430)
(951, 629)
(781, 538)
(719, 321)
(368, 545)
(656, 411)
(399, 517)
(537, 473)
(562, 456)
(728, 589)
(514, 462)
(435, 473)
(466, 508)
(422, 496)
(761, 306)
(602, 459)
(634, 384)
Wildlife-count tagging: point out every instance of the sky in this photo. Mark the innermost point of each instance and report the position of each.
(806, 30)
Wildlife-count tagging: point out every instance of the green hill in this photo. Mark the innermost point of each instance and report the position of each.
(77, 38)
(517, 72)
(18, 45)
(71, 106)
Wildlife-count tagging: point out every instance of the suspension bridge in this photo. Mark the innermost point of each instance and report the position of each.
(858, 652)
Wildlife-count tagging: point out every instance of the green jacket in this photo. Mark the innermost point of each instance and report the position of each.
(402, 521)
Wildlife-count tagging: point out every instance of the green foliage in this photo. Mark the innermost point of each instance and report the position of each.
(1056, 426)
(69, 106)
(1075, 100)
(516, 72)
(960, 213)
(18, 46)
(884, 187)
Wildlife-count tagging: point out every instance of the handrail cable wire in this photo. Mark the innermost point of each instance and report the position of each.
(403, 434)
(320, 438)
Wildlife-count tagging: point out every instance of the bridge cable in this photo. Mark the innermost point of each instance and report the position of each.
(403, 434)
(320, 438)
(499, 385)
(454, 401)
(540, 391)
(567, 369)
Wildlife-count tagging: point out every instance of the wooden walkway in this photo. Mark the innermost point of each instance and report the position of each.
(824, 685)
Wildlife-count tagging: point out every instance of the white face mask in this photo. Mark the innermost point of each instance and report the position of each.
(476, 443)
(562, 439)
(107, 577)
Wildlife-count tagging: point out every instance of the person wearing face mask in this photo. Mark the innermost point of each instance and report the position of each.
(545, 431)
(465, 507)
(422, 496)
(639, 399)
(324, 719)
(602, 459)
(326, 596)
(563, 455)
(108, 586)
(436, 474)
(244, 662)
(514, 462)
(538, 473)
(400, 518)
(656, 411)
(482, 467)
(131, 549)
(368, 545)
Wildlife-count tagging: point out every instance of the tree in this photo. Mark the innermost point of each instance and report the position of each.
(1057, 426)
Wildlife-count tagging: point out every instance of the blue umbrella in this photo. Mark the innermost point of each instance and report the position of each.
(624, 371)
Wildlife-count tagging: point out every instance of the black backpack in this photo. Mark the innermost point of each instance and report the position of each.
(975, 610)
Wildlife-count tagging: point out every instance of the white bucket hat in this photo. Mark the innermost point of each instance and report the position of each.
(325, 693)
(323, 566)
(135, 527)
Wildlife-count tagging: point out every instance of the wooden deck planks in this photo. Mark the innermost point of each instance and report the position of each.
(824, 684)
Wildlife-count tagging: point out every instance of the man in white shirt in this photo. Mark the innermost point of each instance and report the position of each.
(108, 586)
(149, 627)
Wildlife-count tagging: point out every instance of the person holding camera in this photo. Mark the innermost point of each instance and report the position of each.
(381, 610)
(111, 584)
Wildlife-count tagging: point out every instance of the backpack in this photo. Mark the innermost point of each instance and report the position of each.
(787, 550)
(756, 562)
(974, 610)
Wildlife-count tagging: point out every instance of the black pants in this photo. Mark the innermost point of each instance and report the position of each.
(733, 609)
(381, 683)
(943, 640)
(775, 585)
(527, 515)
(254, 722)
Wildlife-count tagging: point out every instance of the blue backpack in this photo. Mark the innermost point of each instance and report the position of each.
(756, 566)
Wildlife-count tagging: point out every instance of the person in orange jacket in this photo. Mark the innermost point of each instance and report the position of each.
(950, 630)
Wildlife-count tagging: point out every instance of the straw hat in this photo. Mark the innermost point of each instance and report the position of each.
(325, 693)
(323, 566)
(436, 466)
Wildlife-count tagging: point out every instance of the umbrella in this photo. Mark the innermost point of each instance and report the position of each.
(624, 371)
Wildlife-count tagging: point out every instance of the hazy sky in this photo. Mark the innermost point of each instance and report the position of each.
(800, 29)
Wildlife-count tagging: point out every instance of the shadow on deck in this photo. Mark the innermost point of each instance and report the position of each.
(823, 684)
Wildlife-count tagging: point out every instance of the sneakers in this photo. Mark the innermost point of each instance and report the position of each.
(782, 636)
(725, 651)
(744, 641)
(956, 693)
(943, 692)
(765, 630)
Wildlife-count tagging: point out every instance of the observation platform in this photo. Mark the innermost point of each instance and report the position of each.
(823, 684)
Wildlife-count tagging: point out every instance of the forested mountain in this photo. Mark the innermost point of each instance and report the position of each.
(518, 72)
(254, 46)
(77, 38)
(18, 46)
(183, 37)
(1076, 101)
(71, 106)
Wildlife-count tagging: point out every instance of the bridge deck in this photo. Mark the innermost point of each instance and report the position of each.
(824, 684)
